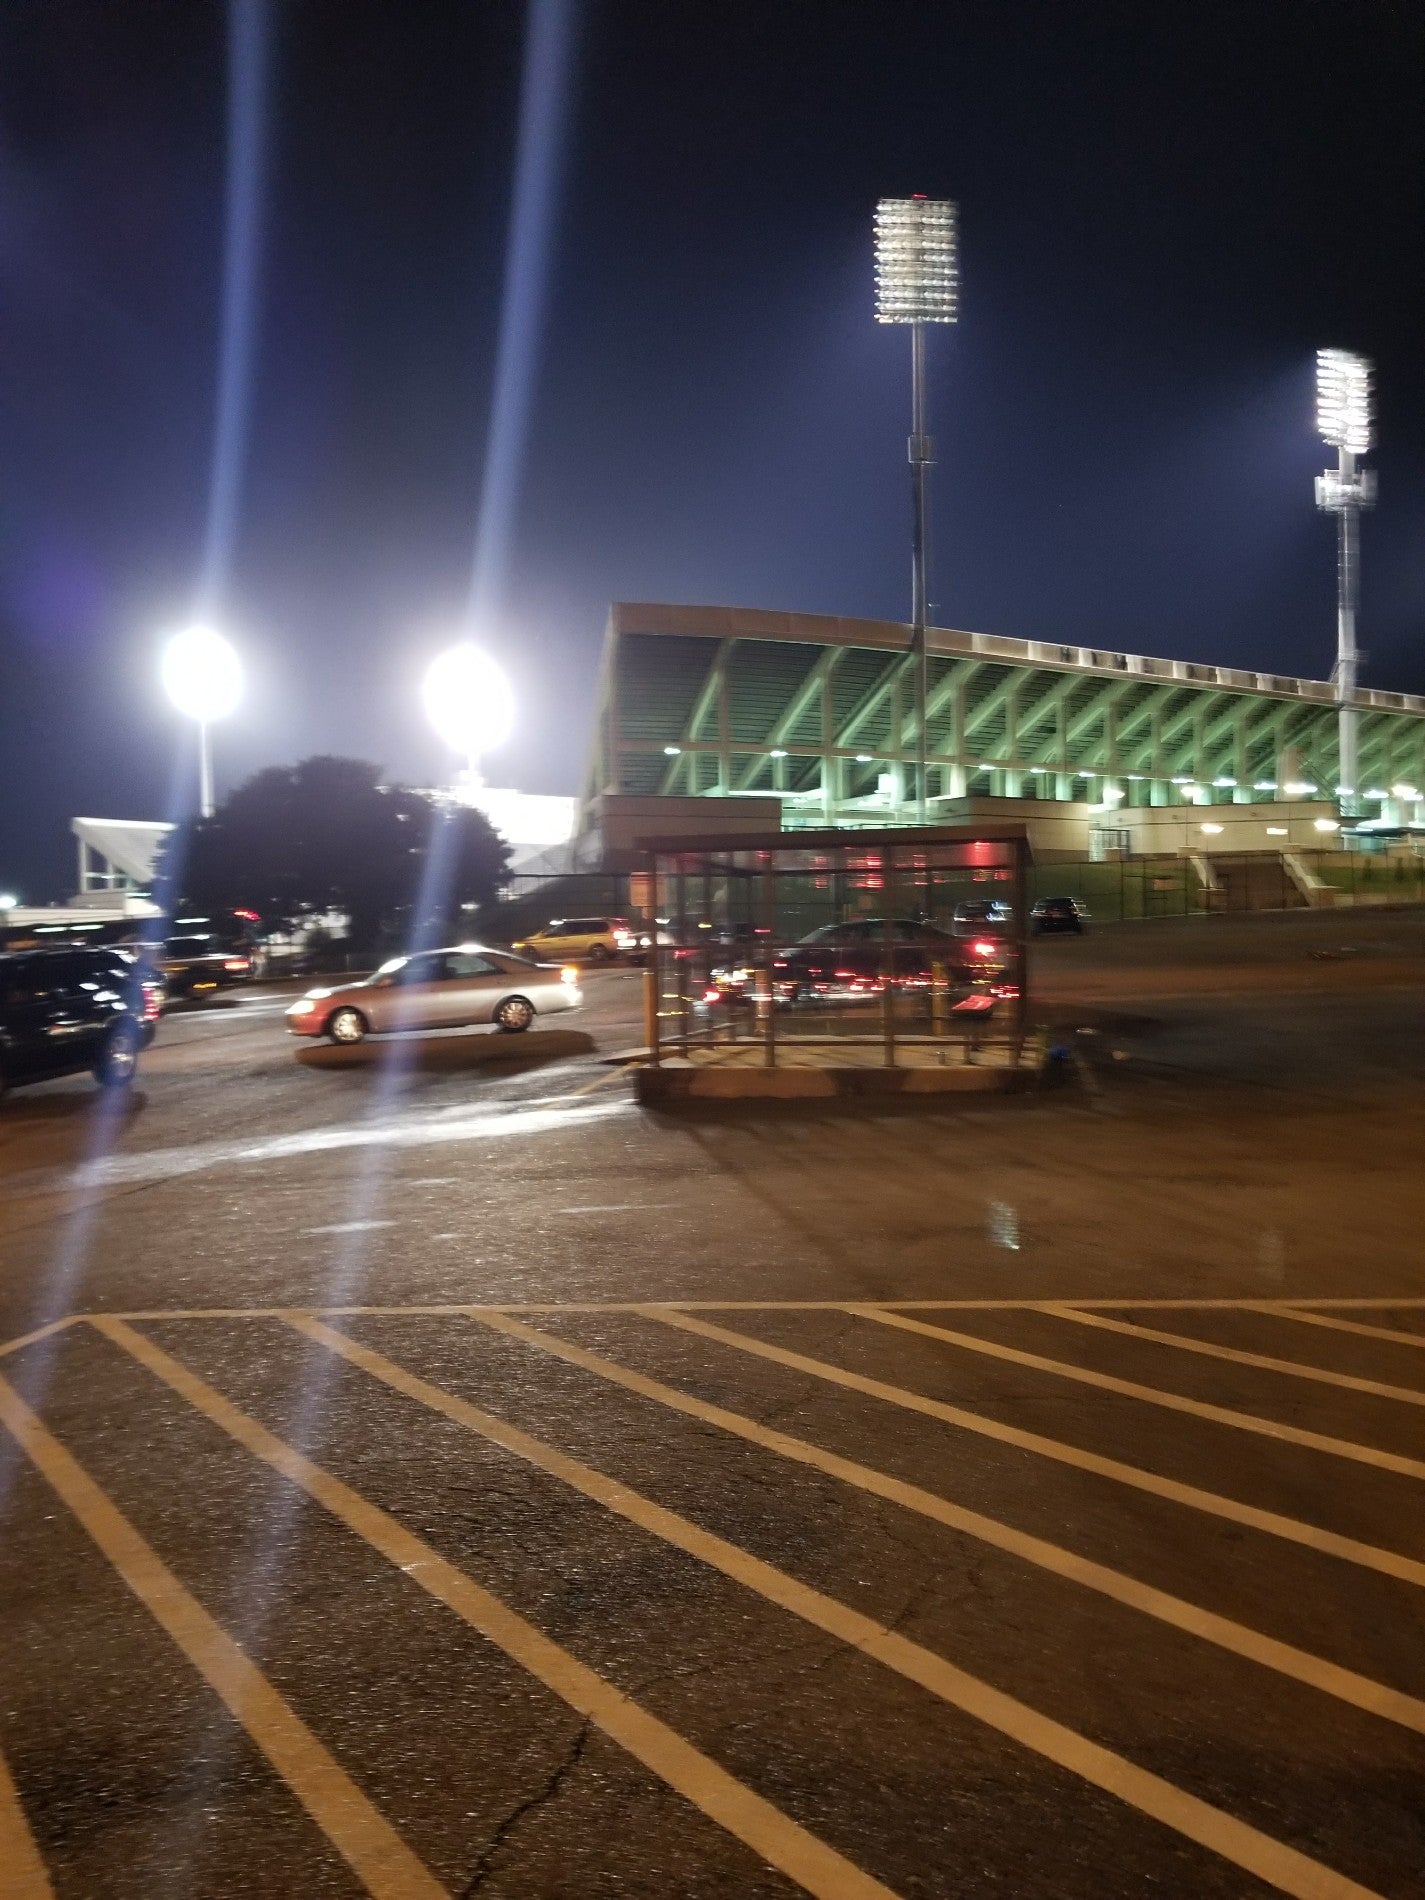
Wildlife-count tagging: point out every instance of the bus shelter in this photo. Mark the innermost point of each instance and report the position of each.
(893, 949)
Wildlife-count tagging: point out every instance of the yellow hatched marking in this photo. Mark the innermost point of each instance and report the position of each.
(1150, 1394)
(1222, 1833)
(1370, 1556)
(760, 1826)
(368, 1844)
(1336, 1323)
(22, 1872)
(1361, 1691)
(1130, 1329)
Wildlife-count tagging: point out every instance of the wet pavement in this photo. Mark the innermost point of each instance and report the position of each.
(463, 1481)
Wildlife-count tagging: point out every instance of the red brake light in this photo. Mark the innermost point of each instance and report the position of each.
(981, 948)
(237, 963)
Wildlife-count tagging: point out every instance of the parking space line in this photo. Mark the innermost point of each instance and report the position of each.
(1197, 1820)
(1389, 1563)
(1151, 1394)
(1129, 1329)
(40, 1332)
(22, 1872)
(1314, 1671)
(368, 1844)
(735, 1807)
(1336, 1323)
(1285, 1307)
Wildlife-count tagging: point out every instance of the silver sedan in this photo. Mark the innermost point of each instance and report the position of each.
(439, 989)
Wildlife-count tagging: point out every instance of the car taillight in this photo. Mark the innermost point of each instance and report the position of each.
(712, 996)
(237, 963)
(983, 948)
(152, 1002)
(569, 974)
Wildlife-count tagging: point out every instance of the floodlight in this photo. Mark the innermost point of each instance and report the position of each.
(468, 701)
(1343, 400)
(917, 267)
(202, 674)
(917, 282)
(9, 901)
(1343, 416)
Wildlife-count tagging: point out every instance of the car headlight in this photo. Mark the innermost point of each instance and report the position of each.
(569, 974)
(304, 1007)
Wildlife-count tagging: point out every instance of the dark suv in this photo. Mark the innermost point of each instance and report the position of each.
(64, 1011)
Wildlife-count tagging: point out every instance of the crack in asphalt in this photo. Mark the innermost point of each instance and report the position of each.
(565, 1767)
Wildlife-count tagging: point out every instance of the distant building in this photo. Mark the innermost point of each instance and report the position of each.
(118, 861)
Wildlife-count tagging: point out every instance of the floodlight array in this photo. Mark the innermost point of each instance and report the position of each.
(917, 268)
(1343, 400)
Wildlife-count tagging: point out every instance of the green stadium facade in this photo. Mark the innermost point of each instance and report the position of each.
(807, 720)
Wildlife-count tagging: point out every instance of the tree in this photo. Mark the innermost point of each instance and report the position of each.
(326, 834)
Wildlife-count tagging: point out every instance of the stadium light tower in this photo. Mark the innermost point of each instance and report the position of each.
(469, 702)
(917, 282)
(202, 675)
(1343, 418)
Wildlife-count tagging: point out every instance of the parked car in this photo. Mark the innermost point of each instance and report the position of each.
(848, 960)
(1057, 913)
(439, 989)
(67, 1010)
(580, 940)
(983, 917)
(195, 963)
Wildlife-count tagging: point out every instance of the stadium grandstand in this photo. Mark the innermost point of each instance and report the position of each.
(810, 719)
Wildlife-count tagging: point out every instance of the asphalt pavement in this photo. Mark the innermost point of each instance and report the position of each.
(427, 1473)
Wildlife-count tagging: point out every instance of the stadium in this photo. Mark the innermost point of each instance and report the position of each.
(713, 719)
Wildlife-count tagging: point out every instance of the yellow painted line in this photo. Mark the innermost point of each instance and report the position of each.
(1152, 1395)
(732, 1306)
(40, 1332)
(1370, 1556)
(746, 1815)
(1361, 1691)
(22, 1872)
(1222, 1833)
(1130, 1329)
(369, 1845)
(1336, 1323)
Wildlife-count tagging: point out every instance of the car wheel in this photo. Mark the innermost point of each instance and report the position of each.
(514, 1014)
(598, 953)
(346, 1026)
(119, 1063)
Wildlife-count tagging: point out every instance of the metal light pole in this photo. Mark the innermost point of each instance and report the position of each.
(917, 282)
(1343, 418)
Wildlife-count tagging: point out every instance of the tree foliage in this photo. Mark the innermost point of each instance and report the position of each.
(326, 834)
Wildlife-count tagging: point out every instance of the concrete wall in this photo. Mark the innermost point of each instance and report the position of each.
(620, 822)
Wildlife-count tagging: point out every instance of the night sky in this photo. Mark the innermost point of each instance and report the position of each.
(1165, 210)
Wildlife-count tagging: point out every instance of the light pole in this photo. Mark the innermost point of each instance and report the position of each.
(917, 282)
(202, 675)
(468, 701)
(1343, 418)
